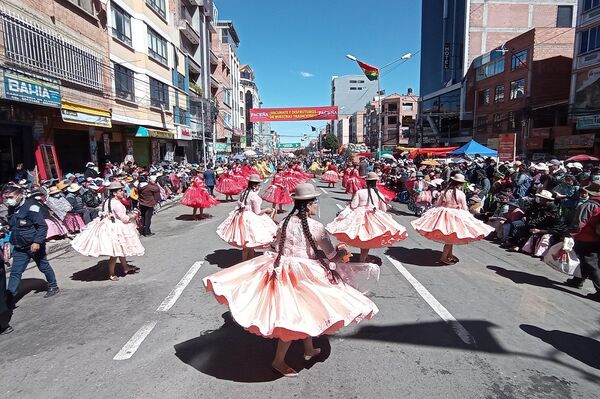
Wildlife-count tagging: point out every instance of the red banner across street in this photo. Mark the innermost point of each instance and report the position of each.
(293, 114)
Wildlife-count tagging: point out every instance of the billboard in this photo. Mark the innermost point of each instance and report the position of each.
(293, 114)
(506, 146)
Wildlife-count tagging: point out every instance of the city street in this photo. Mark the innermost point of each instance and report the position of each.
(495, 325)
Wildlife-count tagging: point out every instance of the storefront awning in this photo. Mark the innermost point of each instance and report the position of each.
(84, 115)
(161, 134)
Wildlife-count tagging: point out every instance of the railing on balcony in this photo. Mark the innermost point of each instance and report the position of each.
(30, 46)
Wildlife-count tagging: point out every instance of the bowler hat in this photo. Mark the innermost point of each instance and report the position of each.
(460, 178)
(545, 194)
(73, 188)
(115, 186)
(254, 178)
(305, 191)
(54, 190)
(372, 176)
(593, 189)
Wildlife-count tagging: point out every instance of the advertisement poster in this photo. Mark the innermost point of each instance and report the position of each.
(293, 114)
(506, 146)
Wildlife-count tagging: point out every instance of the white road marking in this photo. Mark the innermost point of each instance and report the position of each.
(134, 343)
(339, 206)
(322, 189)
(458, 328)
(178, 290)
(313, 180)
(136, 340)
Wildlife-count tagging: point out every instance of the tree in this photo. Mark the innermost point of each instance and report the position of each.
(331, 142)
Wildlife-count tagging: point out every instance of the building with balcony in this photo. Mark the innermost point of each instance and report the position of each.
(584, 108)
(55, 104)
(395, 119)
(453, 34)
(250, 97)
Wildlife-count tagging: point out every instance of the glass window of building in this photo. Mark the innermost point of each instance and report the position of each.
(86, 5)
(484, 97)
(519, 60)
(517, 89)
(499, 94)
(157, 46)
(124, 86)
(121, 24)
(407, 106)
(159, 94)
(589, 4)
(158, 6)
(564, 17)
(589, 40)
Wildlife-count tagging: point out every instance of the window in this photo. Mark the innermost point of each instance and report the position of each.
(589, 4)
(481, 124)
(180, 81)
(353, 81)
(227, 119)
(519, 60)
(407, 106)
(124, 87)
(564, 17)
(227, 97)
(86, 5)
(353, 88)
(392, 120)
(157, 47)
(158, 6)
(484, 97)
(517, 89)
(490, 69)
(589, 40)
(499, 94)
(393, 107)
(359, 88)
(121, 24)
(159, 94)
(497, 127)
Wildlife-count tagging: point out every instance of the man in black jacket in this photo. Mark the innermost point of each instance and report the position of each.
(5, 305)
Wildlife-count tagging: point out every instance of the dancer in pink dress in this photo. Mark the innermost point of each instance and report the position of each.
(331, 176)
(197, 197)
(450, 222)
(227, 185)
(354, 181)
(364, 223)
(248, 226)
(290, 179)
(278, 193)
(113, 233)
(292, 294)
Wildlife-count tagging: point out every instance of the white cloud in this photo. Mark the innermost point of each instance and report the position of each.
(306, 74)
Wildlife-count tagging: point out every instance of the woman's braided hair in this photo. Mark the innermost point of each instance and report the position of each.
(372, 185)
(301, 210)
(246, 192)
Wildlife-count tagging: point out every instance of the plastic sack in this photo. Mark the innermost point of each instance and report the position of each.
(562, 258)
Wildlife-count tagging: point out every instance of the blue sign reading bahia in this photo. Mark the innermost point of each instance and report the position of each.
(23, 88)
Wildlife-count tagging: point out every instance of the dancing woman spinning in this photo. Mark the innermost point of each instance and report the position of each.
(292, 294)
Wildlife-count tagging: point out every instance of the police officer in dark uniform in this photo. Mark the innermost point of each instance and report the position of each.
(28, 235)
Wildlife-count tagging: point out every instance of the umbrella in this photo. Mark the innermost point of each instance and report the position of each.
(249, 153)
(430, 162)
(582, 158)
(387, 156)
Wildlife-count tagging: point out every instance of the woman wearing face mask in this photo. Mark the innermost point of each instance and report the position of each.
(292, 294)
(113, 234)
(450, 222)
(248, 226)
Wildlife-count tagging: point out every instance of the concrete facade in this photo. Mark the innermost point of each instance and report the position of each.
(351, 92)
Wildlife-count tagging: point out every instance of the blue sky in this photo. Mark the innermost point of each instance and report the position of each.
(295, 47)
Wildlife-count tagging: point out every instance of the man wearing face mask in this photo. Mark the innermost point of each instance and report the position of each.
(28, 234)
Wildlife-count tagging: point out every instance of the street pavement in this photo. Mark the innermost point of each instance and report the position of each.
(495, 325)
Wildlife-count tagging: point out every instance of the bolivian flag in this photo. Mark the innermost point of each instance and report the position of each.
(371, 72)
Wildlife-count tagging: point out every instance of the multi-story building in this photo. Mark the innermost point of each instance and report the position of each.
(225, 86)
(250, 99)
(54, 104)
(343, 129)
(585, 82)
(398, 115)
(522, 87)
(453, 34)
(357, 121)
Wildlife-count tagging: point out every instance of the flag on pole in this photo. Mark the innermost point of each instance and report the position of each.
(371, 72)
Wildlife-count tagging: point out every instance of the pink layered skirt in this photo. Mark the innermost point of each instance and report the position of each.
(450, 226)
(103, 237)
(331, 176)
(353, 184)
(366, 227)
(424, 197)
(73, 222)
(277, 195)
(56, 228)
(198, 197)
(299, 302)
(228, 186)
(246, 229)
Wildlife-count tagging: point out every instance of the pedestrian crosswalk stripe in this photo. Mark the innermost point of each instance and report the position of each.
(322, 189)
(134, 343)
(174, 295)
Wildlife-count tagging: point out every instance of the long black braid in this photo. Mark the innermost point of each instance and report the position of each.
(454, 186)
(301, 210)
(372, 185)
(245, 193)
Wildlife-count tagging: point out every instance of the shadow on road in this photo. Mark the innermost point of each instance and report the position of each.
(584, 349)
(416, 256)
(224, 258)
(191, 218)
(98, 272)
(28, 285)
(231, 353)
(519, 277)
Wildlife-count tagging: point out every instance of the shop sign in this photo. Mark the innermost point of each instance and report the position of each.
(446, 55)
(587, 84)
(18, 87)
(184, 133)
(506, 146)
(588, 122)
(575, 141)
(223, 147)
(288, 145)
(83, 115)
(161, 134)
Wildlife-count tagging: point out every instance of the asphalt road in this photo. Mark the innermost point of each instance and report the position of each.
(495, 325)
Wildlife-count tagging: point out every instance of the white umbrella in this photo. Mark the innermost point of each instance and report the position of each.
(290, 155)
(387, 156)
(249, 153)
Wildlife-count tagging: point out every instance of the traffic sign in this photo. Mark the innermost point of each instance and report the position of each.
(288, 145)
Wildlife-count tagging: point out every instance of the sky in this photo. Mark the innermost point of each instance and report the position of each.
(295, 47)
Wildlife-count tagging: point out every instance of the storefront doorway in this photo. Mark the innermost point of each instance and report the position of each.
(73, 150)
(15, 147)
